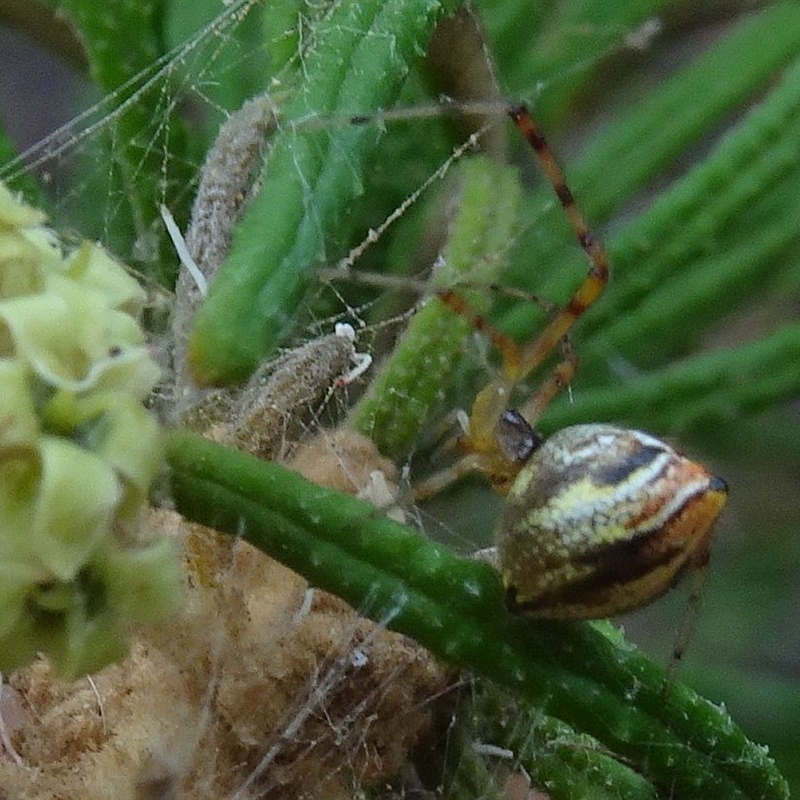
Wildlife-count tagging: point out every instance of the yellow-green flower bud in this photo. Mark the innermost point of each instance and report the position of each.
(78, 452)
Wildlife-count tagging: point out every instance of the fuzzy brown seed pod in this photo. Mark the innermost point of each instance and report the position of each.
(229, 177)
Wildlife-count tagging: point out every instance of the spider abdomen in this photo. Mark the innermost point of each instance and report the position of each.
(602, 520)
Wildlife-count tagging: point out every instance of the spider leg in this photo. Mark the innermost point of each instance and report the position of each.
(439, 481)
(597, 276)
(480, 440)
(698, 568)
(494, 398)
(495, 395)
(561, 375)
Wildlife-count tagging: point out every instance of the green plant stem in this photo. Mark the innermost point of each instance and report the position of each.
(712, 388)
(409, 385)
(722, 208)
(569, 39)
(721, 235)
(685, 108)
(709, 206)
(455, 607)
(565, 763)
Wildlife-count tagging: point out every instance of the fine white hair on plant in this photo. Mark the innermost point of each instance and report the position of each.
(346, 330)
(361, 361)
(483, 749)
(179, 243)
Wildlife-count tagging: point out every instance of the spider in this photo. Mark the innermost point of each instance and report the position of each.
(598, 519)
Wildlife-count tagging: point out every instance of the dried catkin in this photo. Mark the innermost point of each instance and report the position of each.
(230, 176)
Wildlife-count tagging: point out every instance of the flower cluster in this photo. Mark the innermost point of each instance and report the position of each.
(78, 452)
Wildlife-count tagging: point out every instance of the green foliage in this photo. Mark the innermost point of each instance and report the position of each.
(426, 356)
(683, 744)
(361, 55)
(694, 176)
